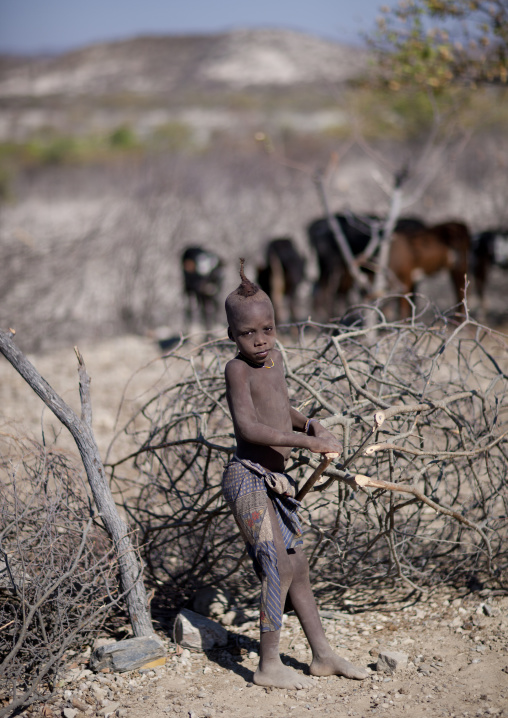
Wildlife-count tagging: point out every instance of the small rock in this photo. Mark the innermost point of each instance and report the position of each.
(70, 712)
(80, 705)
(192, 630)
(424, 668)
(127, 655)
(99, 692)
(228, 619)
(389, 661)
(109, 708)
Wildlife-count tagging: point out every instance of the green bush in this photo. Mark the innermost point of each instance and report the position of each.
(123, 138)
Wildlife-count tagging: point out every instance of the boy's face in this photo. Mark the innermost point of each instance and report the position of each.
(253, 331)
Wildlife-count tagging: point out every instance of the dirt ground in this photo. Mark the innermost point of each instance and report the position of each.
(457, 649)
(456, 644)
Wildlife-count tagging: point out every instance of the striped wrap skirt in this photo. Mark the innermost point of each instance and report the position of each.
(247, 487)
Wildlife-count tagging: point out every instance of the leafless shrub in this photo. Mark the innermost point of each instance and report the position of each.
(440, 457)
(57, 573)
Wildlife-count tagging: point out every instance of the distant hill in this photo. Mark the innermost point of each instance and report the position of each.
(154, 66)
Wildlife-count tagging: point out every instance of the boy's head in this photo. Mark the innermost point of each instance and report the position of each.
(243, 298)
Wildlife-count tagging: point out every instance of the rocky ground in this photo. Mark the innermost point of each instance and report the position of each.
(456, 646)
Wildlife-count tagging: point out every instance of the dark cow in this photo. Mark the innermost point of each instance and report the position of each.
(281, 275)
(334, 280)
(489, 249)
(203, 274)
(427, 251)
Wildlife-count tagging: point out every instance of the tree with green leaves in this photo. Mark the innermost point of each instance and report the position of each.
(436, 43)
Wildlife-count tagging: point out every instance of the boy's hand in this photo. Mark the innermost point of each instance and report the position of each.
(323, 442)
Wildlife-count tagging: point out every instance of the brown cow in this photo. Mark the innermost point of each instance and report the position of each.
(334, 280)
(442, 246)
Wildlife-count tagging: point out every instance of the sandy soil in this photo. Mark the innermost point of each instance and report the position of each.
(457, 666)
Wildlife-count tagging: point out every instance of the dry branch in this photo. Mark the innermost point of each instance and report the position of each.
(81, 430)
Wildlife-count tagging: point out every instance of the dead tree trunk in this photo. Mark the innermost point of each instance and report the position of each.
(81, 430)
(381, 276)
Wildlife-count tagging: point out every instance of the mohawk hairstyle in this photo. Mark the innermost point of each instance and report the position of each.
(246, 288)
(243, 295)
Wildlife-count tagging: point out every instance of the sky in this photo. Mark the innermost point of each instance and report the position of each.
(33, 26)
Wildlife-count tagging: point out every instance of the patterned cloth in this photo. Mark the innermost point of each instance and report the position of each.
(247, 487)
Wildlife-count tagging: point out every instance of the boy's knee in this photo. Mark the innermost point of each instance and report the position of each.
(285, 568)
(300, 563)
(285, 565)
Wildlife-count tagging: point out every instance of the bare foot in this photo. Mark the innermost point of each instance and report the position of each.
(333, 665)
(277, 675)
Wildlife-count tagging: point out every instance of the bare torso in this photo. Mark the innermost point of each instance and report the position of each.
(259, 395)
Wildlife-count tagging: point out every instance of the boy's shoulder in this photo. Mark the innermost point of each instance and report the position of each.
(234, 366)
(237, 366)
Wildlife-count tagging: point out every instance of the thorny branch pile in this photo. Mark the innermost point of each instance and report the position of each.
(442, 515)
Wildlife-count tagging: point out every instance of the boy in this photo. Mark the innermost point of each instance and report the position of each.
(261, 496)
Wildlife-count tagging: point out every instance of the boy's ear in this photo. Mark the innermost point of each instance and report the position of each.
(230, 334)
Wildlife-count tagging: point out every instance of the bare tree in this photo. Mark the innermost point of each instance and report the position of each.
(81, 430)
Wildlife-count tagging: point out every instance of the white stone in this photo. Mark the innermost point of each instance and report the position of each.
(109, 708)
(389, 661)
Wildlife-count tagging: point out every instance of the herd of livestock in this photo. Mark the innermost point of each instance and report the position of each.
(347, 248)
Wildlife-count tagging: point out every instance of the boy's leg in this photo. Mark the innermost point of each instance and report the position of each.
(325, 662)
(271, 671)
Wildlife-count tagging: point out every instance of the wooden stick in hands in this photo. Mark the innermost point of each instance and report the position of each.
(325, 463)
(379, 419)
